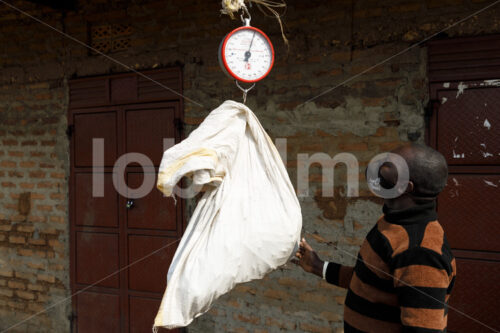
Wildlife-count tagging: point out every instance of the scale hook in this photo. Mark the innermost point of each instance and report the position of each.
(245, 91)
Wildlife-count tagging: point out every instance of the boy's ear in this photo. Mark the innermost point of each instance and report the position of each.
(410, 187)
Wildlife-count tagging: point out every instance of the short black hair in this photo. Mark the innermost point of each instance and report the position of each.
(428, 170)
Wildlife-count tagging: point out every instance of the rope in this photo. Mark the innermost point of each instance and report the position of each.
(267, 7)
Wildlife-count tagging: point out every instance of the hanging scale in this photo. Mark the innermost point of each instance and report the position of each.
(246, 54)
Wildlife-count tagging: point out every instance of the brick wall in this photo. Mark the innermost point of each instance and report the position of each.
(33, 215)
(329, 43)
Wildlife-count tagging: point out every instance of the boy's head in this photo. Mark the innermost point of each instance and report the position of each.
(427, 167)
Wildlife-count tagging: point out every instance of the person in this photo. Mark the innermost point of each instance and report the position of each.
(405, 271)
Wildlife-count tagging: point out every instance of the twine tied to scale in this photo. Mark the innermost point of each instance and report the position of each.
(268, 7)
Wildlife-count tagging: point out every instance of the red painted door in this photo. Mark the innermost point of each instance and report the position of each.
(121, 243)
(465, 128)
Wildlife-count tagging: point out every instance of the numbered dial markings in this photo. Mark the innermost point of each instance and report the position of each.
(248, 54)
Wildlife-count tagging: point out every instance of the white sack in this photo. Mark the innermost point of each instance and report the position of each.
(245, 226)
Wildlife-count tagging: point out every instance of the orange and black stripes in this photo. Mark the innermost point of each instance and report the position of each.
(403, 276)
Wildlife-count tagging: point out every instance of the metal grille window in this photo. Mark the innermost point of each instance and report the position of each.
(109, 38)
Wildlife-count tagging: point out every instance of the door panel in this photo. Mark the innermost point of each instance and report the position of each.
(469, 124)
(154, 211)
(142, 314)
(468, 208)
(98, 312)
(96, 258)
(95, 211)
(475, 298)
(90, 126)
(146, 130)
(150, 274)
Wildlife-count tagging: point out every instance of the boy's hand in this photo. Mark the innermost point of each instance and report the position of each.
(308, 259)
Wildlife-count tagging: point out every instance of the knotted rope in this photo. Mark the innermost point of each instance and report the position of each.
(267, 7)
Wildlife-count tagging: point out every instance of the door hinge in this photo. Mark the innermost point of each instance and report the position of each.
(72, 317)
(179, 125)
(69, 131)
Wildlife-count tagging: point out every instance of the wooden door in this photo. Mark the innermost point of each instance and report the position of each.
(121, 248)
(464, 81)
(468, 208)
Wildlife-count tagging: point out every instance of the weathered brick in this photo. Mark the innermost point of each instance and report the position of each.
(315, 328)
(16, 304)
(408, 7)
(313, 297)
(5, 227)
(25, 228)
(356, 146)
(25, 252)
(18, 218)
(27, 164)
(35, 307)
(57, 267)
(25, 295)
(36, 218)
(27, 186)
(276, 294)
(8, 164)
(340, 299)
(38, 196)
(16, 284)
(35, 287)
(49, 143)
(29, 143)
(57, 175)
(6, 292)
(10, 142)
(39, 241)
(36, 265)
(54, 243)
(279, 323)
(17, 239)
(46, 278)
(16, 153)
(291, 282)
(331, 316)
(6, 272)
(247, 319)
(16, 174)
(37, 174)
(44, 208)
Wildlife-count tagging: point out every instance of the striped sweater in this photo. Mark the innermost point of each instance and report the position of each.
(403, 275)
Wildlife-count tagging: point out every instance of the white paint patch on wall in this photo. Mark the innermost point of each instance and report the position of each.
(461, 87)
(487, 124)
(489, 183)
(455, 155)
(495, 83)
(486, 154)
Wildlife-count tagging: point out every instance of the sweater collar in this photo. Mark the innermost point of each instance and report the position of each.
(417, 214)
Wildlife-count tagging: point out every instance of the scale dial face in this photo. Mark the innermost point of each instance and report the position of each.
(246, 54)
